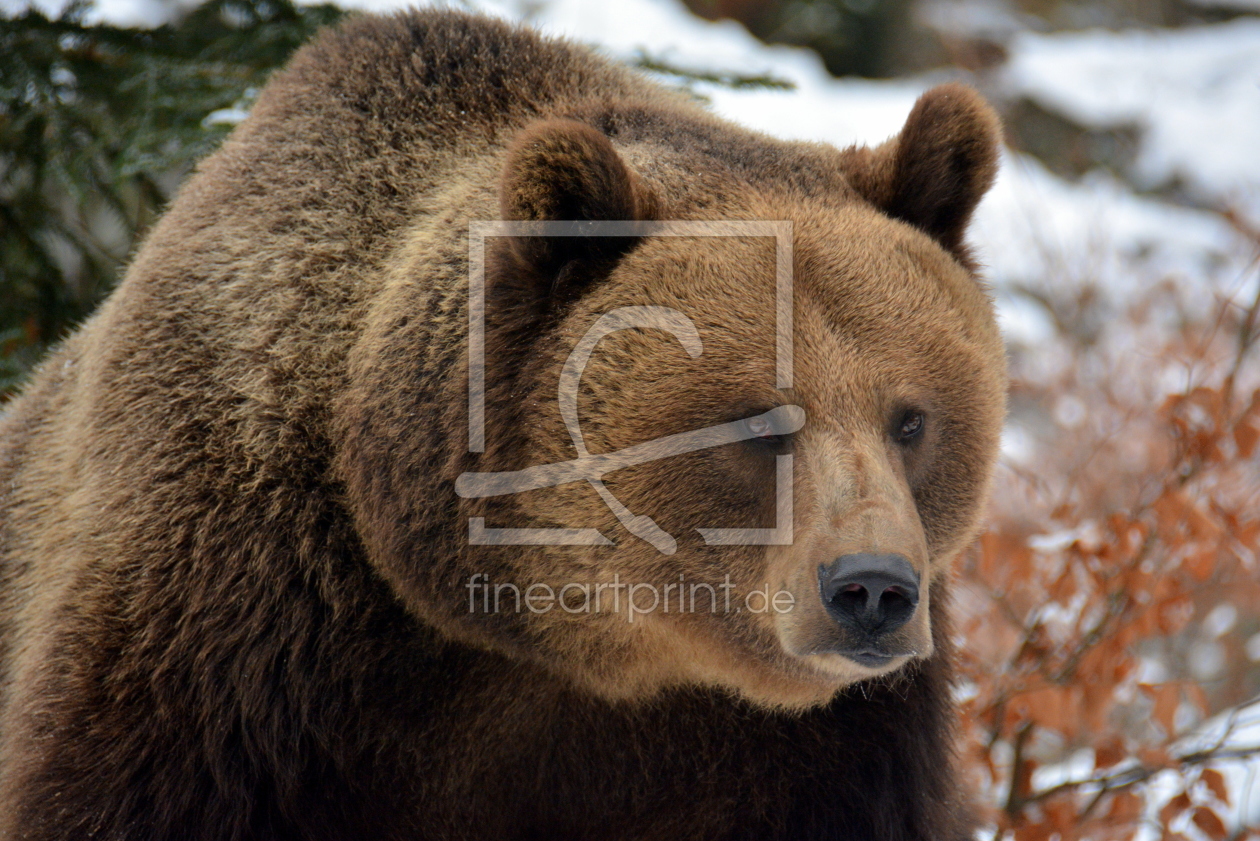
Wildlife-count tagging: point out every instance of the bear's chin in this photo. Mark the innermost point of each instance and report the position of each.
(771, 677)
(806, 682)
(817, 679)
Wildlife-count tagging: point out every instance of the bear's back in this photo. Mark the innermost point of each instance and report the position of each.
(211, 366)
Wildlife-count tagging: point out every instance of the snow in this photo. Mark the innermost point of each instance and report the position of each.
(117, 12)
(1195, 93)
(1035, 228)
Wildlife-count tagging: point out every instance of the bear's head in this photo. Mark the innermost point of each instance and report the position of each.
(741, 453)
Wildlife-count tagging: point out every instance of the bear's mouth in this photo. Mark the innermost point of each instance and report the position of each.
(870, 659)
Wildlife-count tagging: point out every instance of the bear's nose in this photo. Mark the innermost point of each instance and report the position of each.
(872, 594)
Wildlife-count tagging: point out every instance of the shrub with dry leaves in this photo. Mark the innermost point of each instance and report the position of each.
(1110, 617)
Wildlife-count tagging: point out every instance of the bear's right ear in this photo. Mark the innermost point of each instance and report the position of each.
(934, 173)
(566, 171)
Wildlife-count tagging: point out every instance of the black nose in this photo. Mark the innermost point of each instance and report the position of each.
(873, 594)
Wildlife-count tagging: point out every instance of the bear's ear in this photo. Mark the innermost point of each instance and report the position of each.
(934, 173)
(566, 171)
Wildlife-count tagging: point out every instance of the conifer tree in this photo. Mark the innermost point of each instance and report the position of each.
(98, 126)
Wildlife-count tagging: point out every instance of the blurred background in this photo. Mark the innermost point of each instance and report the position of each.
(1109, 618)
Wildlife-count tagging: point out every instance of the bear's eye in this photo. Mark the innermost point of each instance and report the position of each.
(910, 426)
(761, 431)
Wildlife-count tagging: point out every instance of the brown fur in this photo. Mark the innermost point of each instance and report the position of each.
(232, 561)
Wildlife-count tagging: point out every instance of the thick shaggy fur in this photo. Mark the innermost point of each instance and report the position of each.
(232, 562)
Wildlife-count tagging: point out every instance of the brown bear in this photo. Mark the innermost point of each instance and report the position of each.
(299, 534)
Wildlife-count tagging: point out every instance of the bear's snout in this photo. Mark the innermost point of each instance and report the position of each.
(870, 595)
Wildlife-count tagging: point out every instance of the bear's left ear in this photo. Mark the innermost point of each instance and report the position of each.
(934, 173)
(565, 171)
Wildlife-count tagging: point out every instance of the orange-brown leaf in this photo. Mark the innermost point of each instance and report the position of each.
(1215, 782)
(1060, 815)
(1201, 563)
(1197, 696)
(1209, 823)
(1246, 436)
(1166, 697)
(1109, 753)
(1126, 807)
(1173, 808)
(1055, 708)
(1153, 756)
(1034, 832)
(1202, 527)
(1174, 614)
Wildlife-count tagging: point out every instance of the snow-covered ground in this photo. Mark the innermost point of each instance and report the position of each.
(1194, 94)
